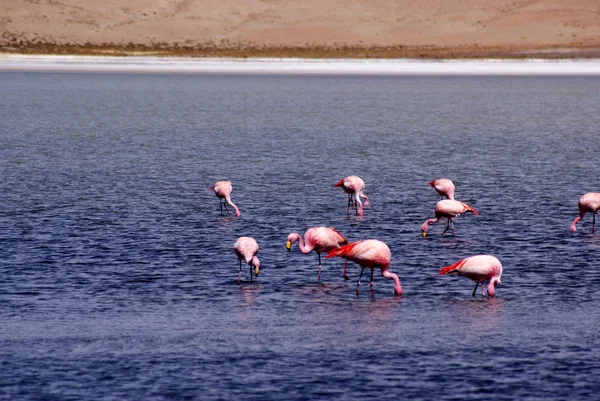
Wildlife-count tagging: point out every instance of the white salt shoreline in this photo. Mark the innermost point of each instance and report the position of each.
(264, 66)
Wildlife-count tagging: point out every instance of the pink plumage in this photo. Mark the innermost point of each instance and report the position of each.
(223, 191)
(369, 254)
(444, 187)
(319, 239)
(589, 202)
(448, 209)
(354, 186)
(478, 268)
(246, 249)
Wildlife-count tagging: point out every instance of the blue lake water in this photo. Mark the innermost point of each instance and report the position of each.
(118, 278)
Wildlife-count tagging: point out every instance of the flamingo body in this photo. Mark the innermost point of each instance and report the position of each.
(449, 209)
(478, 268)
(369, 254)
(246, 249)
(319, 239)
(223, 191)
(589, 202)
(444, 187)
(353, 186)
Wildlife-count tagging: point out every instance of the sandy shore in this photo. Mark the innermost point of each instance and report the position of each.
(307, 29)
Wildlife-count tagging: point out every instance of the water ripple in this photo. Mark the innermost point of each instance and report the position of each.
(119, 280)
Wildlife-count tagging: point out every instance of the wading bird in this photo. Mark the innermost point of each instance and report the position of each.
(589, 202)
(246, 249)
(444, 187)
(369, 254)
(223, 191)
(319, 239)
(477, 268)
(354, 186)
(448, 209)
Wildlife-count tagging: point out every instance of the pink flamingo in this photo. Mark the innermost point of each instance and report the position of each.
(319, 239)
(449, 209)
(353, 186)
(223, 190)
(444, 187)
(369, 254)
(478, 268)
(589, 202)
(246, 248)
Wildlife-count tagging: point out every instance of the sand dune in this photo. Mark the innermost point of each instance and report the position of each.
(327, 28)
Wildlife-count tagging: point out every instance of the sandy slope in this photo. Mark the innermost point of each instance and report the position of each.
(321, 28)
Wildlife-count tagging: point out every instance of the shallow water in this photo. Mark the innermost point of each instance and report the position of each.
(118, 277)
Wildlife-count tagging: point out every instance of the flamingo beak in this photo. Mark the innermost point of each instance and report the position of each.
(256, 270)
(288, 245)
(423, 234)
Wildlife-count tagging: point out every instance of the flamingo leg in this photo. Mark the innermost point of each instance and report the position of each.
(447, 227)
(225, 204)
(250, 273)
(345, 276)
(358, 282)
(593, 221)
(452, 227)
(349, 203)
(371, 282)
(221, 206)
(240, 275)
(319, 276)
(475, 290)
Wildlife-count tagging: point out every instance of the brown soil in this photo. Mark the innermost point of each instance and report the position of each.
(306, 29)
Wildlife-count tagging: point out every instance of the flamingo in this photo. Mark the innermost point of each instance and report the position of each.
(444, 187)
(449, 209)
(369, 254)
(354, 186)
(478, 268)
(223, 190)
(246, 248)
(319, 239)
(589, 202)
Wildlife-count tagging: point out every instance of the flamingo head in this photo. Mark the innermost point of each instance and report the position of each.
(256, 264)
(293, 237)
(573, 227)
(425, 228)
(491, 290)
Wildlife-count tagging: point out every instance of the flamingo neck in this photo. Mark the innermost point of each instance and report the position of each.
(574, 223)
(360, 205)
(425, 226)
(366, 198)
(237, 211)
(491, 288)
(302, 245)
(391, 276)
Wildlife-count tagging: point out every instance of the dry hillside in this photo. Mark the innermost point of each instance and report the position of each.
(309, 28)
